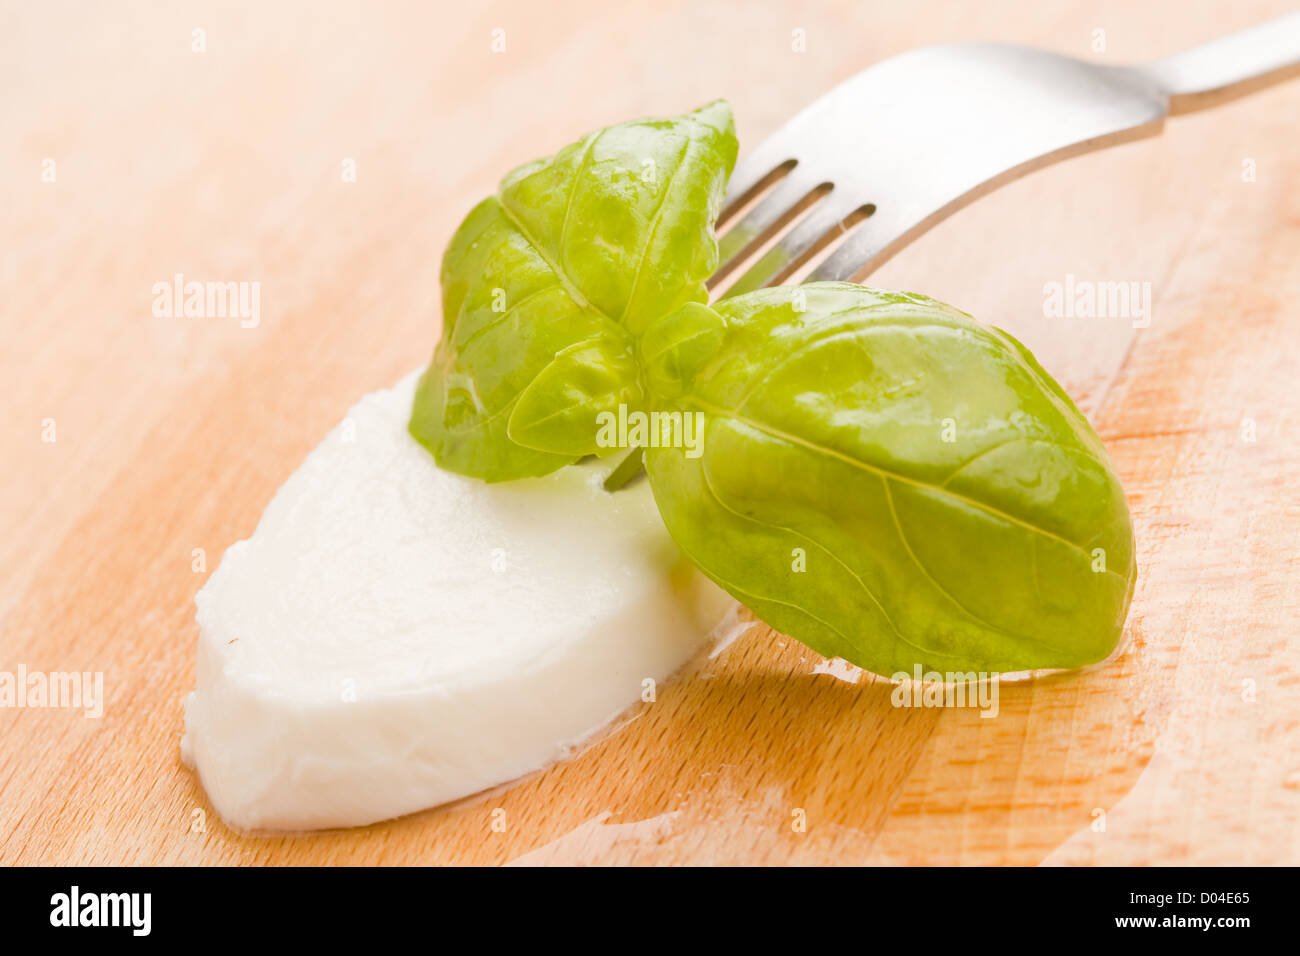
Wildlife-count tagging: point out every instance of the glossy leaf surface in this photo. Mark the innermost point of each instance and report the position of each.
(894, 484)
(568, 263)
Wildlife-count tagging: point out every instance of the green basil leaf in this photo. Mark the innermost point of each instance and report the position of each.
(674, 347)
(891, 483)
(559, 409)
(591, 244)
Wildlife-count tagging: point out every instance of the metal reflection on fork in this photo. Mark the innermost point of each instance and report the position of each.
(884, 156)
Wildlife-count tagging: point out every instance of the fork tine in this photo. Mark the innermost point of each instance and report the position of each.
(829, 220)
(860, 253)
(768, 159)
(791, 196)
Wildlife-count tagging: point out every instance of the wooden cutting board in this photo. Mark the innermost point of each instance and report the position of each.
(170, 435)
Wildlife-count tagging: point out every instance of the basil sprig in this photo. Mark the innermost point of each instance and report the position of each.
(547, 285)
(872, 473)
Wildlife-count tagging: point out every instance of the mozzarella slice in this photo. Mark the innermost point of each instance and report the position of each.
(394, 636)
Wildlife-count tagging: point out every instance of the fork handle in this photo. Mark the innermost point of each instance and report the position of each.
(1229, 67)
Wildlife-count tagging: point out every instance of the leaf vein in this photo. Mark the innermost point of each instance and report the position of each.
(885, 472)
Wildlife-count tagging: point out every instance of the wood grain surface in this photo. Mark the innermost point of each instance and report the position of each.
(172, 434)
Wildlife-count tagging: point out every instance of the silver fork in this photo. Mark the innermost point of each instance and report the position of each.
(896, 149)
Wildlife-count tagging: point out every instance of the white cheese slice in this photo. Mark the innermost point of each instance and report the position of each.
(393, 636)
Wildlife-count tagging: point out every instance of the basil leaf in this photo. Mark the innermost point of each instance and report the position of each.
(891, 483)
(558, 410)
(673, 348)
(589, 246)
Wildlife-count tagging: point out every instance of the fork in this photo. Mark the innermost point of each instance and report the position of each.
(885, 155)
